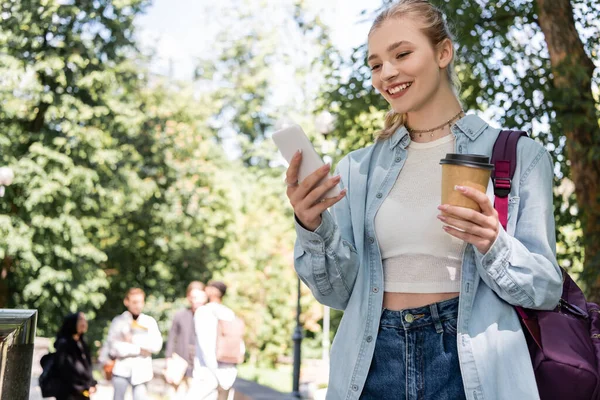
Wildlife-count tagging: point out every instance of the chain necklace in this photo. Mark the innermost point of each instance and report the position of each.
(422, 131)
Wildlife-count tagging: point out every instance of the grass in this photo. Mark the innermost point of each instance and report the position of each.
(278, 378)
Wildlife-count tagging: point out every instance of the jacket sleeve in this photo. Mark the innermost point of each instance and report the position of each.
(523, 269)
(326, 260)
(154, 341)
(174, 333)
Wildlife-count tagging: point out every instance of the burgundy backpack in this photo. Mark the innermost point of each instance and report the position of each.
(564, 343)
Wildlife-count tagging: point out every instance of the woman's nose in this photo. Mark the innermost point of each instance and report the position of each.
(388, 71)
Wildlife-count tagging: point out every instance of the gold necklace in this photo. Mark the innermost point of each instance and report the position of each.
(421, 131)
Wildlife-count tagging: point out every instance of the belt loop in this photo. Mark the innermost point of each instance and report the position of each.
(436, 318)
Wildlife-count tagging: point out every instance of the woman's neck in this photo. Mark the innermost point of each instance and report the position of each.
(76, 337)
(440, 108)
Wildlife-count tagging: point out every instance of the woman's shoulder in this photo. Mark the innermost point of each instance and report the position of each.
(528, 149)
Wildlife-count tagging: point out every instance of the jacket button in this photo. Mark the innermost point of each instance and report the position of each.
(355, 388)
(369, 339)
(379, 195)
(375, 290)
(398, 159)
(371, 240)
(460, 148)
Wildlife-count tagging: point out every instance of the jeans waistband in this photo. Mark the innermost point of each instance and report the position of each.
(412, 318)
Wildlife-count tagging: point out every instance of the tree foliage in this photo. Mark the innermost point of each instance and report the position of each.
(122, 178)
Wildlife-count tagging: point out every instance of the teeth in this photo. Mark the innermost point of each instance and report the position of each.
(397, 89)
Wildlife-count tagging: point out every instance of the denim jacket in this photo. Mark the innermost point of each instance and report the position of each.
(341, 263)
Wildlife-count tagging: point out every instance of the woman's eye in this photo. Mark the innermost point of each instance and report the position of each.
(402, 55)
(375, 67)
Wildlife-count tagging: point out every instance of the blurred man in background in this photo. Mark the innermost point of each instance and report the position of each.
(132, 339)
(181, 344)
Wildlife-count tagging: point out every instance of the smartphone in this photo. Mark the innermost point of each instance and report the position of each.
(291, 139)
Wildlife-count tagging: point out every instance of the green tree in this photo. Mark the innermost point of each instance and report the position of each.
(122, 180)
(57, 58)
(115, 170)
(266, 73)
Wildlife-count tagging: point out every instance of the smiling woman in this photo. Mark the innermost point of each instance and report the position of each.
(428, 289)
(422, 60)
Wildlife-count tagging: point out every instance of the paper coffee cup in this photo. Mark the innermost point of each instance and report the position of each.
(471, 170)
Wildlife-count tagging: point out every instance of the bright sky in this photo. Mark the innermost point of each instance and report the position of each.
(180, 30)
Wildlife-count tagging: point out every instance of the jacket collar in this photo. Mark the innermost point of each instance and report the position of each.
(470, 125)
(400, 136)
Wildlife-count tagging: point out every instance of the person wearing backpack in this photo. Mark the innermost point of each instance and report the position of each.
(428, 289)
(72, 363)
(220, 346)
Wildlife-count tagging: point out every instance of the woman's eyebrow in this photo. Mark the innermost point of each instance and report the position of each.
(391, 47)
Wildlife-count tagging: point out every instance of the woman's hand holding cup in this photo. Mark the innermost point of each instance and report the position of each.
(478, 228)
(306, 197)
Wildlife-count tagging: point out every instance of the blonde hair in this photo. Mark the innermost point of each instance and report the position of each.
(436, 31)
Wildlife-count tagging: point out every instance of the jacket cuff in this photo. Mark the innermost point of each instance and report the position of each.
(497, 255)
(317, 241)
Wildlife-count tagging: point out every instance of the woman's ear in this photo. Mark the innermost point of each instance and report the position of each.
(445, 53)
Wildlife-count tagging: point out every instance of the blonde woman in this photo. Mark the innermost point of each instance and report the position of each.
(428, 299)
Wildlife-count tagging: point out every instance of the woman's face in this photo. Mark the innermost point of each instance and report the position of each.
(406, 68)
(82, 324)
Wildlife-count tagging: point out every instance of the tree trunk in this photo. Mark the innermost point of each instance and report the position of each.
(4, 288)
(577, 117)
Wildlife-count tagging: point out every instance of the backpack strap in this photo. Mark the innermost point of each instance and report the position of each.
(504, 158)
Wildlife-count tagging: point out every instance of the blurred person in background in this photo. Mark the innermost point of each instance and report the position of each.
(214, 376)
(132, 339)
(181, 343)
(73, 363)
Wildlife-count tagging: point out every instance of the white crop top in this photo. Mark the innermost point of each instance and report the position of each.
(418, 256)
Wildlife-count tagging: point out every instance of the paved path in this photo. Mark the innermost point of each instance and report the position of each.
(105, 391)
(244, 390)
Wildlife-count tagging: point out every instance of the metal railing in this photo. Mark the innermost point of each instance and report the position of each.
(17, 335)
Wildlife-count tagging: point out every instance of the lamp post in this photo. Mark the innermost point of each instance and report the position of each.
(6, 178)
(325, 123)
(297, 338)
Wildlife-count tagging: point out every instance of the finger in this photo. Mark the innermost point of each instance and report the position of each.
(323, 205)
(316, 209)
(310, 182)
(479, 197)
(465, 236)
(291, 174)
(466, 214)
(466, 226)
(320, 191)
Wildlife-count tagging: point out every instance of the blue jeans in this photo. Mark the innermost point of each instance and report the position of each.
(120, 384)
(416, 355)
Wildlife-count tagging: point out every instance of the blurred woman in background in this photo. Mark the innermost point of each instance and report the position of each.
(73, 361)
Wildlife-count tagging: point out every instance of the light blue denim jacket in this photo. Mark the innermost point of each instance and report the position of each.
(341, 263)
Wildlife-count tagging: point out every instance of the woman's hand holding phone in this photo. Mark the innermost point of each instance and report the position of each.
(304, 197)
